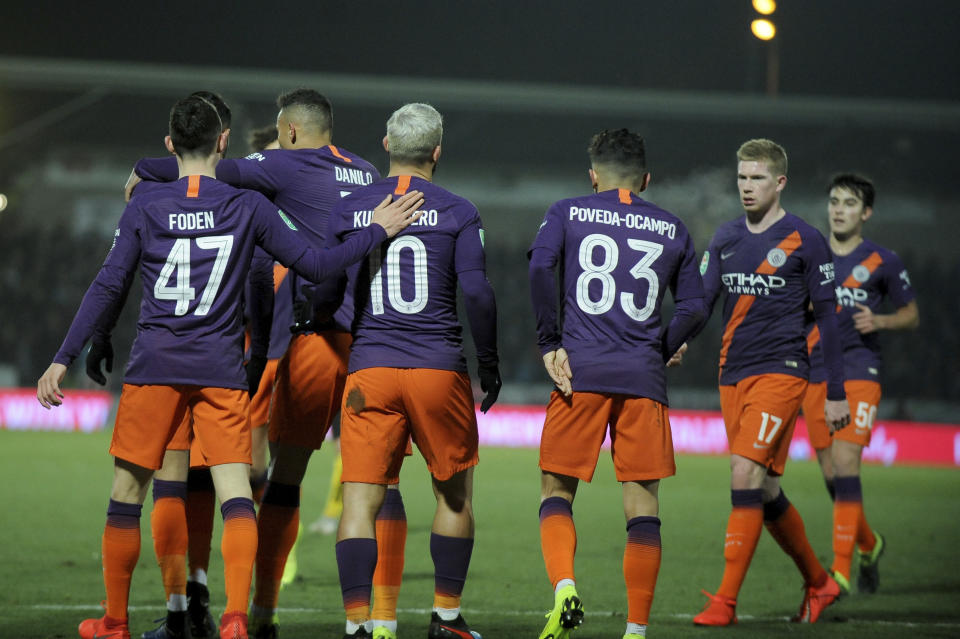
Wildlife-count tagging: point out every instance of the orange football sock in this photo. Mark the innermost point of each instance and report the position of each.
(277, 530)
(201, 505)
(168, 521)
(239, 548)
(558, 538)
(786, 526)
(743, 532)
(866, 540)
(391, 542)
(847, 512)
(120, 549)
(641, 564)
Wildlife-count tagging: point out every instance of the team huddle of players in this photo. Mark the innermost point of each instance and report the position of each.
(366, 270)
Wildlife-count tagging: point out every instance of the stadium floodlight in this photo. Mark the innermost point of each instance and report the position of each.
(763, 29)
(764, 7)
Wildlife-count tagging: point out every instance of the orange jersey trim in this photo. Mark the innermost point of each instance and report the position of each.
(788, 245)
(871, 263)
(403, 183)
(624, 196)
(812, 338)
(279, 272)
(193, 186)
(337, 154)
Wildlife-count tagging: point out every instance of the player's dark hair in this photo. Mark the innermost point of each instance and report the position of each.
(194, 127)
(260, 138)
(222, 109)
(313, 106)
(854, 183)
(619, 148)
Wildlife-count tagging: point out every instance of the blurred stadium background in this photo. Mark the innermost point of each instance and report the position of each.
(865, 85)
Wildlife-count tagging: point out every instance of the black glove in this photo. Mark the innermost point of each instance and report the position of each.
(99, 352)
(490, 384)
(254, 372)
(302, 317)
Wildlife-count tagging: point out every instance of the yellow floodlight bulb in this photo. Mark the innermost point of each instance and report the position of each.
(764, 7)
(763, 29)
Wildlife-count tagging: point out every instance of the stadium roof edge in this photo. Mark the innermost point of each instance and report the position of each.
(508, 97)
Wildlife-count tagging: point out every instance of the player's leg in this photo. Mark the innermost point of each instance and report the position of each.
(443, 423)
(374, 435)
(357, 550)
(120, 549)
(168, 523)
(147, 418)
(641, 556)
(222, 431)
(642, 449)
(239, 543)
(850, 522)
(451, 546)
(259, 413)
(326, 523)
(391, 527)
(573, 432)
(745, 522)
(818, 432)
(201, 505)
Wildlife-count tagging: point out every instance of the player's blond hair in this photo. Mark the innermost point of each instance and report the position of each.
(763, 150)
(413, 132)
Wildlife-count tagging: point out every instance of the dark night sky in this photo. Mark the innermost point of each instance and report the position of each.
(854, 48)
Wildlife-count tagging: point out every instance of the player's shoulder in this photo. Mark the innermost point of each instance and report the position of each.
(796, 223)
(886, 254)
(436, 194)
(651, 209)
(730, 230)
(347, 157)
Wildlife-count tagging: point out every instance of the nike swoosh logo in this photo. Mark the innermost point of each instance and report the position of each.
(459, 633)
(724, 256)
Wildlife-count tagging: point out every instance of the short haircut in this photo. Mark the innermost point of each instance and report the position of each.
(222, 109)
(763, 150)
(311, 108)
(194, 127)
(260, 138)
(413, 132)
(620, 151)
(854, 183)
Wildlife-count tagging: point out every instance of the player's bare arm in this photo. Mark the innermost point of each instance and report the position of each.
(677, 358)
(399, 214)
(48, 386)
(904, 318)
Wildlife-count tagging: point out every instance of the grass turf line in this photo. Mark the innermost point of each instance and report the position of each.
(57, 488)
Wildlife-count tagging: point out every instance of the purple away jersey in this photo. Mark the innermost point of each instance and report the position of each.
(865, 276)
(193, 241)
(618, 254)
(768, 278)
(304, 183)
(405, 293)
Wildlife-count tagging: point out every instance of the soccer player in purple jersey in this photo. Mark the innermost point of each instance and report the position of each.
(617, 255)
(769, 265)
(305, 178)
(408, 376)
(187, 357)
(866, 274)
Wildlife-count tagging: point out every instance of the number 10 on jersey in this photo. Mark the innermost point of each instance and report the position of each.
(392, 267)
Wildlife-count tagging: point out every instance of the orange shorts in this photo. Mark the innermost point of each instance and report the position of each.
(760, 413)
(863, 396)
(260, 403)
(309, 387)
(384, 407)
(152, 418)
(641, 443)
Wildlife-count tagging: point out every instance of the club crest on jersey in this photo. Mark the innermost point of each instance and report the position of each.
(861, 273)
(704, 262)
(286, 220)
(777, 257)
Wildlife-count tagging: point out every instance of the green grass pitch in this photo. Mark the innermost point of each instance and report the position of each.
(55, 489)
